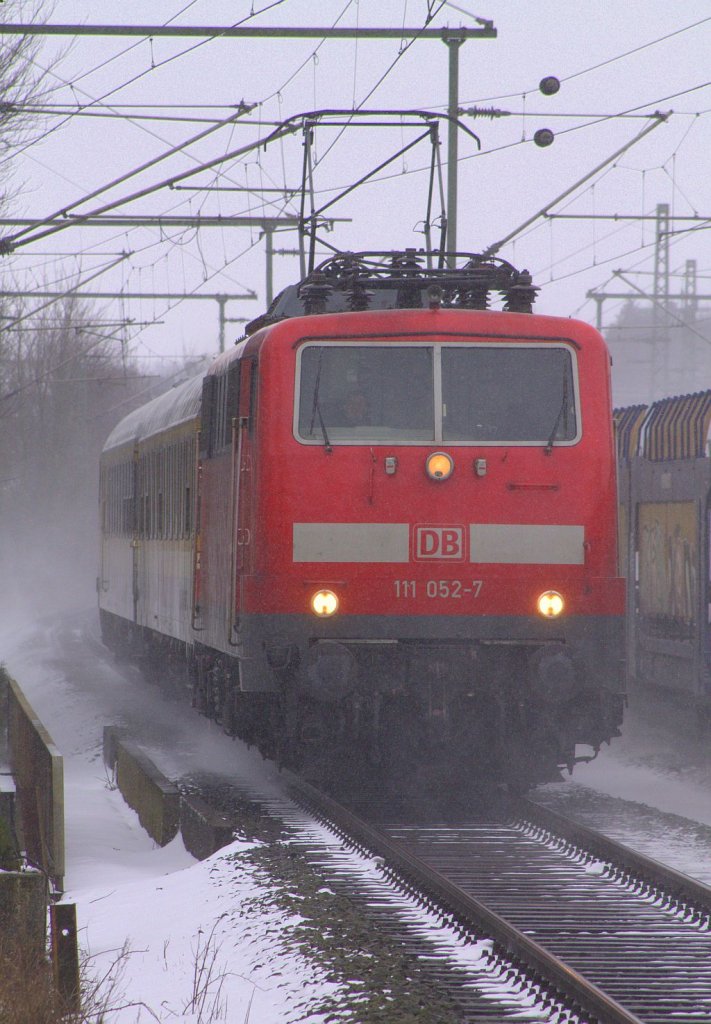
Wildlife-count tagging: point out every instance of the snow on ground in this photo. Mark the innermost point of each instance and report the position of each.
(186, 939)
(190, 939)
(651, 788)
(188, 942)
(663, 759)
(620, 777)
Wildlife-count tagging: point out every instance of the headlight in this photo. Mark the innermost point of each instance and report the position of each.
(324, 603)
(550, 604)
(439, 466)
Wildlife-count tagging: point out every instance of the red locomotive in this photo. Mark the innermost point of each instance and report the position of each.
(383, 525)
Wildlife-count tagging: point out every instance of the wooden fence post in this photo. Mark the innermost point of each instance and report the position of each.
(65, 953)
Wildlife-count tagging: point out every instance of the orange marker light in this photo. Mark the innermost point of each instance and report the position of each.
(439, 466)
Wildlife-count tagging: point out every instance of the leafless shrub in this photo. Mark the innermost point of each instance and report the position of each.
(27, 994)
(102, 994)
(63, 385)
(208, 979)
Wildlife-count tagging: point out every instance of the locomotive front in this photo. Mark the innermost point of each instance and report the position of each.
(434, 538)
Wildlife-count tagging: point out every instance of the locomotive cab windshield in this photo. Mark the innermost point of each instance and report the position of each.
(467, 393)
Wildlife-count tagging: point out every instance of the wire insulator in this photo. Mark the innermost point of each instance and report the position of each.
(520, 296)
(315, 294)
(490, 112)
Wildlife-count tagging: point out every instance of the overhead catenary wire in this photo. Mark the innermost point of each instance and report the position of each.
(665, 307)
(49, 373)
(386, 72)
(102, 337)
(127, 49)
(601, 64)
(659, 119)
(425, 168)
(68, 292)
(226, 121)
(9, 243)
(110, 115)
(495, 150)
(64, 210)
(401, 52)
(154, 67)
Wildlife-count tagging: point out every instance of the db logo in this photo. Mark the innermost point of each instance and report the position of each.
(443, 543)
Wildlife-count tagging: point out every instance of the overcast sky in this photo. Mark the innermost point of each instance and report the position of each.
(499, 188)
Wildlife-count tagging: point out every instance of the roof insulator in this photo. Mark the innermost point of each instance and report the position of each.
(315, 292)
(521, 295)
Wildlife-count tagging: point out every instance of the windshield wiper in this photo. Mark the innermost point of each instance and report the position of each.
(563, 410)
(317, 412)
(316, 408)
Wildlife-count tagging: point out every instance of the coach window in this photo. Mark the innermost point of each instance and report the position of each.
(222, 434)
(190, 486)
(111, 488)
(155, 488)
(220, 399)
(187, 512)
(102, 497)
(184, 474)
(126, 500)
(208, 413)
(113, 498)
(110, 499)
(168, 488)
(174, 502)
(145, 498)
(163, 493)
(140, 506)
(232, 395)
(177, 497)
(127, 516)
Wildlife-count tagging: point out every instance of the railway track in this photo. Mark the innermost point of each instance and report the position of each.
(514, 914)
(585, 928)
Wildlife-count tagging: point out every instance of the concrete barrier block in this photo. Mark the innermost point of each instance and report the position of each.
(112, 735)
(204, 829)
(155, 798)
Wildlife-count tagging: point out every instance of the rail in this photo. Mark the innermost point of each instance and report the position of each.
(571, 987)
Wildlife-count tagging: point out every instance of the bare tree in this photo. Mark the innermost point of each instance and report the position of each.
(64, 382)
(24, 83)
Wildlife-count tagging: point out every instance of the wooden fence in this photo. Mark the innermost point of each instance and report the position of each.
(38, 771)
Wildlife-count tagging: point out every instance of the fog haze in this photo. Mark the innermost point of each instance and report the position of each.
(116, 102)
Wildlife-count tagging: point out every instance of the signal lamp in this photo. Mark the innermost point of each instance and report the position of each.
(550, 604)
(439, 466)
(324, 603)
